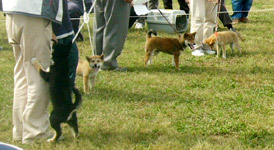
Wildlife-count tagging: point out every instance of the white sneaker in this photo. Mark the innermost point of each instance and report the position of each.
(139, 25)
(209, 51)
(198, 52)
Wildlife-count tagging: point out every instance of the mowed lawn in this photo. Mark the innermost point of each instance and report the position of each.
(211, 103)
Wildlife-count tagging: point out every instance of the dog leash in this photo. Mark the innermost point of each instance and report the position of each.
(219, 3)
(176, 31)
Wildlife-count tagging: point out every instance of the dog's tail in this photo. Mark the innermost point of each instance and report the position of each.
(239, 35)
(78, 98)
(151, 31)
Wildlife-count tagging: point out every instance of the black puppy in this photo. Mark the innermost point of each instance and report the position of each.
(64, 110)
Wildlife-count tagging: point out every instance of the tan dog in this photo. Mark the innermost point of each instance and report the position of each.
(88, 69)
(172, 46)
(224, 38)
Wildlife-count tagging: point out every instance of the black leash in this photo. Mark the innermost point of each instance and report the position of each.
(175, 30)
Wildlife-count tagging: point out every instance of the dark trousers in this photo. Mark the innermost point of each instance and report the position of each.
(73, 58)
(182, 3)
(76, 10)
(224, 15)
(133, 18)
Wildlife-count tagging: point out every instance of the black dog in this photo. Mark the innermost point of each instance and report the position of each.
(64, 110)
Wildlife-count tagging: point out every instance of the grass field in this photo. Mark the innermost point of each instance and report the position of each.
(211, 103)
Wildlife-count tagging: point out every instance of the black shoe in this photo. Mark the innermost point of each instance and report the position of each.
(232, 29)
(119, 69)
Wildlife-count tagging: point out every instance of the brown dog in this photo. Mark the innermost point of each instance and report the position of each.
(89, 69)
(172, 46)
(224, 38)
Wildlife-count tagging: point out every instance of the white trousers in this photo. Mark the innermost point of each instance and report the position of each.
(203, 20)
(30, 37)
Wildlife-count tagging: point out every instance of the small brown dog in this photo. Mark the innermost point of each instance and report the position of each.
(172, 46)
(89, 69)
(224, 38)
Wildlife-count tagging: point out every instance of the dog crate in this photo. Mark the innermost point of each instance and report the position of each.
(177, 18)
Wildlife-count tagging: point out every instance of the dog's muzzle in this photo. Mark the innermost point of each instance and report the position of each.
(96, 67)
(191, 46)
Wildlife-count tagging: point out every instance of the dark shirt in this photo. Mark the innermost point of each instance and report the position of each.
(65, 27)
(88, 4)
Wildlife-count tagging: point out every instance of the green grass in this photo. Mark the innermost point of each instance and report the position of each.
(211, 103)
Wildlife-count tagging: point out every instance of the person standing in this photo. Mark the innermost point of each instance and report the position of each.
(111, 19)
(29, 30)
(203, 20)
(240, 10)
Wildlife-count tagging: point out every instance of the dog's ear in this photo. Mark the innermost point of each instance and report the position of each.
(211, 41)
(102, 57)
(88, 58)
(194, 33)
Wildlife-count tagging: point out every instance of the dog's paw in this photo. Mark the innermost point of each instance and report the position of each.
(34, 61)
(51, 140)
(76, 135)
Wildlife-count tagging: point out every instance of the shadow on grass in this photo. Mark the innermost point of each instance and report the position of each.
(200, 70)
(104, 138)
(108, 137)
(171, 69)
(158, 96)
(261, 138)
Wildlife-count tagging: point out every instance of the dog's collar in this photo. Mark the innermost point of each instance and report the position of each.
(184, 44)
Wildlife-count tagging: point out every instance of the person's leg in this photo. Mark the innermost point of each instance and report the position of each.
(35, 119)
(75, 12)
(167, 4)
(210, 19)
(98, 27)
(237, 6)
(36, 116)
(115, 32)
(210, 24)
(197, 11)
(153, 4)
(183, 6)
(20, 80)
(246, 7)
(224, 15)
(133, 18)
